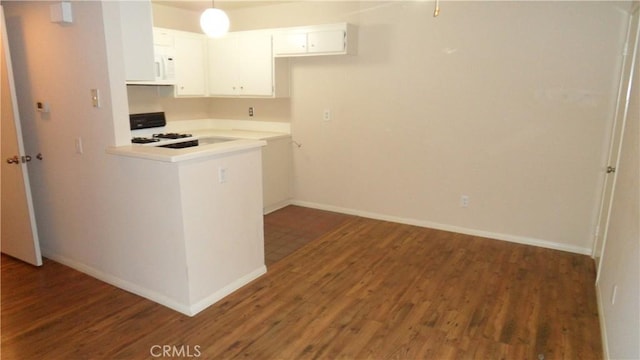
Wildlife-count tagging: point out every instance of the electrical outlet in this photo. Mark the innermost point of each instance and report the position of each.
(464, 201)
(326, 115)
(250, 111)
(222, 175)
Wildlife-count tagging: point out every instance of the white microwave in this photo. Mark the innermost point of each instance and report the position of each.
(164, 69)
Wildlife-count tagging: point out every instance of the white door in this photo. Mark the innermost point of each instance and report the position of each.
(617, 136)
(18, 233)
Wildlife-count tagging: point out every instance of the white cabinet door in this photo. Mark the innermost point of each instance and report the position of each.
(222, 66)
(163, 37)
(255, 65)
(137, 40)
(285, 43)
(190, 64)
(332, 41)
(241, 64)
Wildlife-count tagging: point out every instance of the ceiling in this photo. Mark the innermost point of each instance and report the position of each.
(201, 5)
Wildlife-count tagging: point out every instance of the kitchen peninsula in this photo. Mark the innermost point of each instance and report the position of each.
(199, 212)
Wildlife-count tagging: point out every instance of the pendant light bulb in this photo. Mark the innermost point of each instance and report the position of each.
(214, 22)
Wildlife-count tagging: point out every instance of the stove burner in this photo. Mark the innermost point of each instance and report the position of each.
(142, 140)
(181, 145)
(171, 136)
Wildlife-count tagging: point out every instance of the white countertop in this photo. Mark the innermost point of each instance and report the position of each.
(246, 135)
(190, 153)
(237, 134)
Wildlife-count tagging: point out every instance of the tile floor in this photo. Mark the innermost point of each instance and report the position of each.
(292, 227)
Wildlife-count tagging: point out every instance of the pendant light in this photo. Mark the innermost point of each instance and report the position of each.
(214, 22)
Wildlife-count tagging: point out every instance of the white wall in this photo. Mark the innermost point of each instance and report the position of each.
(506, 102)
(621, 255)
(160, 98)
(91, 208)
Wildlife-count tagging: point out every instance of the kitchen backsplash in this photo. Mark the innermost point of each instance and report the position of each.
(160, 98)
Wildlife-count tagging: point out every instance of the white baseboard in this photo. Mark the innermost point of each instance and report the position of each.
(191, 310)
(227, 290)
(452, 228)
(186, 309)
(603, 328)
(277, 206)
(120, 283)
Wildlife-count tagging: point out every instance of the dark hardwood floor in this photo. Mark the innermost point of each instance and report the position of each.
(292, 227)
(366, 289)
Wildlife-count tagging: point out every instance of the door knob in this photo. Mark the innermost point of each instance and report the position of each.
(13, 160)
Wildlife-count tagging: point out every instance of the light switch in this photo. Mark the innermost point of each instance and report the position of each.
(79, 149)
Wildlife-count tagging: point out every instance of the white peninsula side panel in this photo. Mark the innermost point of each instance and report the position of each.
(223, 224)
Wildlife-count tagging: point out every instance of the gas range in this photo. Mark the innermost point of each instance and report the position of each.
(168, 140)
(144, 126)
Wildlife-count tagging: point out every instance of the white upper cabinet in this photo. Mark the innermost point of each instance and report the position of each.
(333, 39)
(241, 64)
(137, 40)
(164, 37)
(330, 41)
(190, 64)
(163, 59)
(289, 43)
